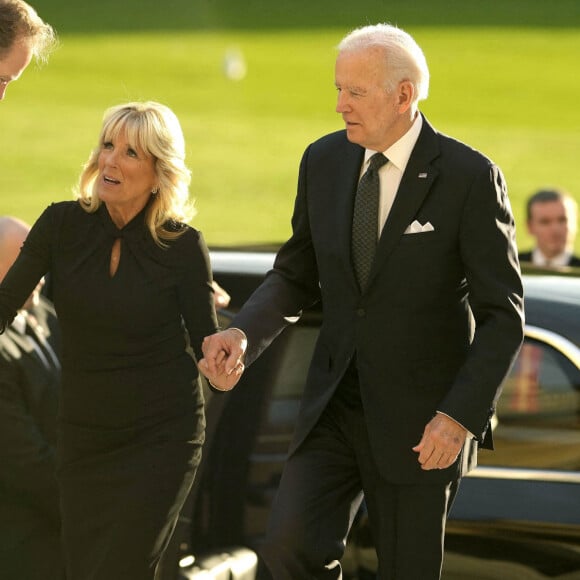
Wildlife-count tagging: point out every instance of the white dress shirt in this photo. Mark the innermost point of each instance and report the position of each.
(391, 173)
(563, 259)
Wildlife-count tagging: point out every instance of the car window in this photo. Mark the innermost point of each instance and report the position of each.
(537, 424)
(291, 376)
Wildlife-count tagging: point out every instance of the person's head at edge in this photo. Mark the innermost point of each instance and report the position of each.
(23, 36)
(139, 161)
(381, 74)
(13, 232)
(552, 221)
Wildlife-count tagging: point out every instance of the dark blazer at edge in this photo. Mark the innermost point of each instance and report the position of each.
(29, 499)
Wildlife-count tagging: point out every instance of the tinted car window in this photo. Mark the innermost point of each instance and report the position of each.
(287, 391)
(538, 415)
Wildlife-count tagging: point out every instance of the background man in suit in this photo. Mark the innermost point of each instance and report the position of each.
(29, 381)
(552, 219)
(411, 354)
(23, 35)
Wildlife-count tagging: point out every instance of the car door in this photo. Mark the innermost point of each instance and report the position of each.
(518, 514)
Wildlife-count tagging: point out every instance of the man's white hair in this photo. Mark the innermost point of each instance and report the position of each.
(404, 58)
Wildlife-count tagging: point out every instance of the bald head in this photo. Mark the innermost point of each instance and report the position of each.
(13, 232)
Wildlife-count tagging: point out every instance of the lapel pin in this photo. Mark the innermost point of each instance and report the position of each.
(422, 175)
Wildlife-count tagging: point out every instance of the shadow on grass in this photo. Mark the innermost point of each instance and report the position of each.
(90, 16)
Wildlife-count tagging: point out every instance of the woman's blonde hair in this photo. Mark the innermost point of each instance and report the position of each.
(155, 130)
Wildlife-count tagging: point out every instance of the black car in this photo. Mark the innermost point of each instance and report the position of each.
(517, 516)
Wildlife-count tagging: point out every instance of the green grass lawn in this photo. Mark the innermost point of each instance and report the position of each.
(504, 79)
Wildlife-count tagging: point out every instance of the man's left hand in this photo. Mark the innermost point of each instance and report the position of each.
(441, 443)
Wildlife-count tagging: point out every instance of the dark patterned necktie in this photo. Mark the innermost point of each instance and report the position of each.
(365, 220)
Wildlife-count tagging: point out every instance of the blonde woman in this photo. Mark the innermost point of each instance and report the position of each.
(132, 287)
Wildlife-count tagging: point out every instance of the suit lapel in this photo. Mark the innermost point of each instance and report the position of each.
(22, 342)
(25, 346)
(347, 176)
(417, 180)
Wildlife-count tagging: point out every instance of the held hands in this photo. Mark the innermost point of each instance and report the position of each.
(441, 443)
(223, 353)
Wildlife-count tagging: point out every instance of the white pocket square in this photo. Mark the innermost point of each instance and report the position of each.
(418, 228)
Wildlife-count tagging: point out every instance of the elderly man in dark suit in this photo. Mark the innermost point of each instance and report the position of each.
(29, 383)
(406, 236)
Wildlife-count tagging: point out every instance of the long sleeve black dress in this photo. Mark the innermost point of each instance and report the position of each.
(131, 422)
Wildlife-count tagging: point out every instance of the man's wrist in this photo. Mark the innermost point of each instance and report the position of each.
(240, 331)
(217, 388)
(468, 432)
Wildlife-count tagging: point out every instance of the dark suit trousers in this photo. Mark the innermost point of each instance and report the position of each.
(38, 557)
(322, 489)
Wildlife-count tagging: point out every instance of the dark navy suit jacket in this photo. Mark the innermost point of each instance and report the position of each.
(441, 320)
(29, 391)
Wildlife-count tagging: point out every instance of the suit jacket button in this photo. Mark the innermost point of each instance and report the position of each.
(361, 312)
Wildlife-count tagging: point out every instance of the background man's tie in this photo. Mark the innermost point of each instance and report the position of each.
(365, 220)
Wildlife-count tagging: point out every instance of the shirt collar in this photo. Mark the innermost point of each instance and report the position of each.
(562, 259)
(399, 152)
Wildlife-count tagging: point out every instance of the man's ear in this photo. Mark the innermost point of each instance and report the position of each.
(405, 94)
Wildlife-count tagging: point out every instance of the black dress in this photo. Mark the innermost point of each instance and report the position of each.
(131, 422)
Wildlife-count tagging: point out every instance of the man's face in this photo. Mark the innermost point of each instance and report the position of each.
(13, 63)
(548, 223)
(373, 115)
